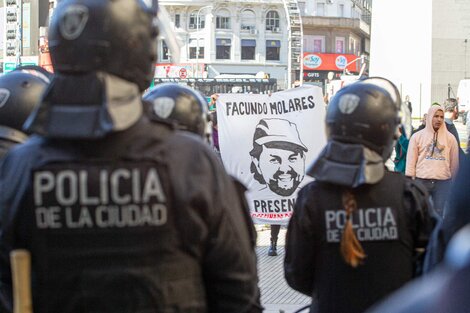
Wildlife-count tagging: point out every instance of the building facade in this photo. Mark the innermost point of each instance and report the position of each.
(29, 15)
(226, 38)
(253, 36)
(427, 60)
(450, 47)
(336, 36)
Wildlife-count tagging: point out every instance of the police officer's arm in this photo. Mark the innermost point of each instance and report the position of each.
(299, 262)
(6, 238)
(230, 261)
(422, 219)
(411, 157)
(6, 296)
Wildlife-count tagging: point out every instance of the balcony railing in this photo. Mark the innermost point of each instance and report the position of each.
(338, 22)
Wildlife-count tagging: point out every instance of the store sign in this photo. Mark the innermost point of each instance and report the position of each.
(319, 75)
(330, 62)
(9, 64)
(312, 61)
(341, 61)
(188, 70)
(313, 74)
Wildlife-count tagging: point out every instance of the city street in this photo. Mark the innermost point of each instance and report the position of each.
(276, 295)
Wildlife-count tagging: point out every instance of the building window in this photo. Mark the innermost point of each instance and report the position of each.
(193, 20)
(317, 45)
(223, 49)
(302, 8)
(177, 20)
(248, 49)
(193, 47)
(314, 43)
(352, 45)
(320, 9)
(248, 20)
(341, 10)
(165, 52)
(340, 46)
(272, 21)
(222, 21)
(273, 50)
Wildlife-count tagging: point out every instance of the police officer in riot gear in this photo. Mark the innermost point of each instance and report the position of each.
(20, 91)
(120, 214)
(185, 109)
(180, 106)
(353, 234)
(445, 288)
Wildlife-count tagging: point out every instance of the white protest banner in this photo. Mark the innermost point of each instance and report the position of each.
(267, 142)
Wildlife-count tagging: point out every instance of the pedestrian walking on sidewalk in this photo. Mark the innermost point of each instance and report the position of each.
(353, 235)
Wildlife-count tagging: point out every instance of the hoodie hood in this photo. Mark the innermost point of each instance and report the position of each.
(432, 110)
(440, 136)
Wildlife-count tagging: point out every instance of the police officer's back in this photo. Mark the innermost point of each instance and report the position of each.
(185, 109)
(353, 234)
(120, 214)
(445, 289)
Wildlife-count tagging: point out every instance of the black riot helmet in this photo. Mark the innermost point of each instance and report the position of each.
(112, 36)
(179, 105)
(366, 112)
(20, 91)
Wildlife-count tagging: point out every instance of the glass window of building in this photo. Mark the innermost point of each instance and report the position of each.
(314, 43)
(248, 20)
(193, 47)
(341, 10)
(222, 21)
(248, 49)
(165, 52)
(320, 9)
(273, 50)
(352, 45)
(272, 20)
(340, 45)
(223, 47)
(177, 20)
(193, 17)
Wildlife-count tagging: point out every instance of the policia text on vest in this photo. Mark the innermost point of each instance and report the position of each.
(90, 197)
(371, 224)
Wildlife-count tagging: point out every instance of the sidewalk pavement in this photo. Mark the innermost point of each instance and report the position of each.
(276, 295)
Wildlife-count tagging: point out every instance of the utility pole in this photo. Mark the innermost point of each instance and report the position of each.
(19, 41)
(465, 64)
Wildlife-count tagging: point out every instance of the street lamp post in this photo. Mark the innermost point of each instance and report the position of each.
(362, 58)
(465, 60)
(197, 34)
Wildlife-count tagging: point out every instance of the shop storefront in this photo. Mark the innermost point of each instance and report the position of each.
(319, 68)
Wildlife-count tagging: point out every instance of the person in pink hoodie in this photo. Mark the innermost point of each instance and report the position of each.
(433, 157)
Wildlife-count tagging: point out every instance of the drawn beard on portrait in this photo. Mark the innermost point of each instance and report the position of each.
(284, 186)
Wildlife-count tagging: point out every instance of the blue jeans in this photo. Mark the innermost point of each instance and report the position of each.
(438, 190)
